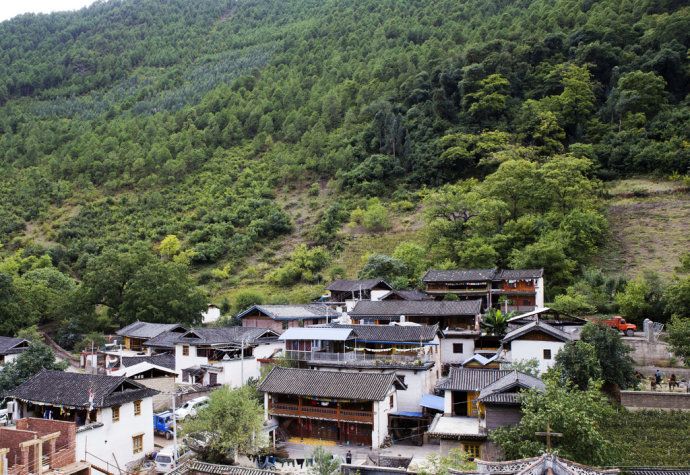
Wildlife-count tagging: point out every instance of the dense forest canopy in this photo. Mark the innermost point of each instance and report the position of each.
(133, 120)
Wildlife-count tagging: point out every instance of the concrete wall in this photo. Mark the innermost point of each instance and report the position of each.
(637, 400)
(534, 349)
(111, 442)
(447, 355)
(166, 386)
(648, 354)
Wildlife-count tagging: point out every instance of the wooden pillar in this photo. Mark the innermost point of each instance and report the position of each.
(3, 458)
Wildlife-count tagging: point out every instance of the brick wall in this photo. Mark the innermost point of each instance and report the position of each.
(68, 430)
(655, 400)
(10, 439)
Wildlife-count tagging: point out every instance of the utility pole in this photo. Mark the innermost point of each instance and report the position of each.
(174, 418)
(242, 362)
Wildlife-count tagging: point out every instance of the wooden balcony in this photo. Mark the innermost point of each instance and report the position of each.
(316, 412)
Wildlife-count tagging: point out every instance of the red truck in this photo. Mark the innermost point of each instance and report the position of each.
(619, 323)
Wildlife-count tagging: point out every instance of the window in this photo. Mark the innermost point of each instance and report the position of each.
(138, 443)
(185, 350)
(458, 348)
(137, 408)
(473, 450)
(116, 413)
(547, 354)
(390, 401)
(285, 325)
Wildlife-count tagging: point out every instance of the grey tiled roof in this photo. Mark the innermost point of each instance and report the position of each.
(164, 340)
(328, 384)
(395, 308)
(656, 471)
(505, 389)
(225, 335)
(470, 379)
(407, 295)
(293, 312)
(146, 330)
(9, 346)
(481, 275)
(165, 360)
(537, 325)
(72, 389)
(519, 274)
(197, 467)
(394, 333)
(342, 285)
(459, 275)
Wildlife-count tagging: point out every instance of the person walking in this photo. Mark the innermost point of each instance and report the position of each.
(348, 457)
(658, 376)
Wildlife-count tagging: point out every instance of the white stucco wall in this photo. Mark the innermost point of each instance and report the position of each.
(447, 355)
(534, 349)
(112, 443)
(184, 362)
(539, 297)
(381, 411)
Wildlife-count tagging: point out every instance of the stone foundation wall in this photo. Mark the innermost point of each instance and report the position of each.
(637, 400)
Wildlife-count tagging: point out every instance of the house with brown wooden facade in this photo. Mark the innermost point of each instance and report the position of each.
(477, 401)
(458, 322)
(519, 290)
(344, 407)
(279, 318)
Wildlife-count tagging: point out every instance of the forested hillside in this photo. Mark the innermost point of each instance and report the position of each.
(251, 132)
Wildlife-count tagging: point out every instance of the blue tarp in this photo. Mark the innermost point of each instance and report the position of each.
(408, 414)
(432, 402)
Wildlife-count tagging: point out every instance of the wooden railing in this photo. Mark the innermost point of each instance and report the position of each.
(359, 356)
(331, 413)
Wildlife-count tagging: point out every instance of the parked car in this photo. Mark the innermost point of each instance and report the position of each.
(191, 407)
(4, 417)
(163, 424)
(620, 324)
(167, 459)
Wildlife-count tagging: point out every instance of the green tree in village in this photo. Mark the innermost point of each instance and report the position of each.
(456, 460)
(579, 416)
(231, 424)
(495, 322)
(617, 370)
(679, 337)
(578, 362)
(324, 462)
(31, 361)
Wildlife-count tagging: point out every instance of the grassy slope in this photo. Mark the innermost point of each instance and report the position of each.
(650, 227)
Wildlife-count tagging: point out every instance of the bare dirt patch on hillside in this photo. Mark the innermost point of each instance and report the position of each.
(648, 230)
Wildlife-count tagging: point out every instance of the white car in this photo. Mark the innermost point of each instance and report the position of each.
(191, 407)
(167, 459)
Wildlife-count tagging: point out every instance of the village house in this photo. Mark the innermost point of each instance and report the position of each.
(281, 317)
(338, 406)
(477, 401)
(42, 447)
(223, 355)
(412, 352)
(136, 334)
(349, 292)
(10, 348)
(457, 320)
(151, 375)
(406, 295)
(113, 414)
(509, 290)
(535, 341)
